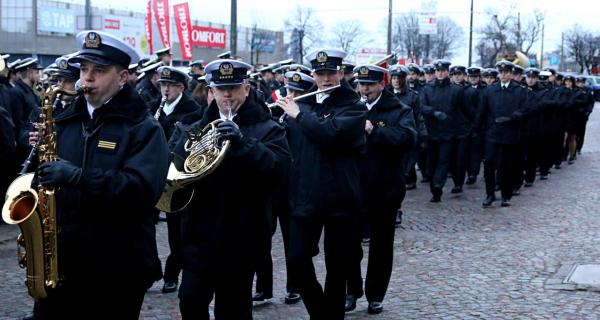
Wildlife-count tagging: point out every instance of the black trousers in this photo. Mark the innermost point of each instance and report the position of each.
(422, 162)
(534, 157)
(339, 235)
(500, 158)
(91, 302)
(264, 270)
(439, 154)
(476, 149)
(381, 219)
(173, 263)
(547, 153)
(229, 284)
(460, 158)
(519, 165)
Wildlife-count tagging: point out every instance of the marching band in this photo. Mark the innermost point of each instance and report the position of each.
(328, 149)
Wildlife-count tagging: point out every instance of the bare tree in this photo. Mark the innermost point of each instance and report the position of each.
(260, 41)
(582, 46)
(408, 42)
(447, 39)
(348, 35)
(503, 35)
(303, 24)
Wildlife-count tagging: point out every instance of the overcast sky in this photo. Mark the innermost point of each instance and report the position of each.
(560, 15)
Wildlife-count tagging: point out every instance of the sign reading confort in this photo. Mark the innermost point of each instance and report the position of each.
(209, 37)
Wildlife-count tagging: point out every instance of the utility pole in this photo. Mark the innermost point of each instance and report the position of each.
(233, 31)
(471, 35)
(542, 51)
(389, 31)
(88, 14)
(562, 52)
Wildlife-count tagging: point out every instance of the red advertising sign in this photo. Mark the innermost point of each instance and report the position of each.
(184, 25)
(112, 24)
(161, 13)
(209, 37)
(148, 25)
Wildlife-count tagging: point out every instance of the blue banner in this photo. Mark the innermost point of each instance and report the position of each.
(52, 19)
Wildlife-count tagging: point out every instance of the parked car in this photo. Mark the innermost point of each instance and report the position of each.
(593, 82)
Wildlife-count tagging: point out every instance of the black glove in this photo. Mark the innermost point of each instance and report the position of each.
(440, 115)
(502, 119)
(229, 130)
(59, 173)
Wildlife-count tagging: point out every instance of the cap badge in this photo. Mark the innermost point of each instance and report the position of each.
(322, 57)
(63, 64)
(398, 69)
(296, 78)
(363, 71)
(226, 69)
(381, 124)
(92, 40)
(166, 73)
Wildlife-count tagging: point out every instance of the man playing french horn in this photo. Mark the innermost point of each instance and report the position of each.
(227, 222)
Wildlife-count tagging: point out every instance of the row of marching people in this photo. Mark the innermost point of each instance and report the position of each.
(518, 121)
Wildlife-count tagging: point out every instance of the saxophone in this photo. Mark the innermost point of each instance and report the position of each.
(35, 210)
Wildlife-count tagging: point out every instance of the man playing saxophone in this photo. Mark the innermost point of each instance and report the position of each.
(111, 169)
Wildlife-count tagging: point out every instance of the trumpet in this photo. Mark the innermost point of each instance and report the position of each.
(306, 95)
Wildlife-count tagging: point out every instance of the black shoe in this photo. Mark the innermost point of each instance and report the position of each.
(544, 177)
(516, 192)
(375, 307)
(570, 161)
(398, 218)
(505, 203)
(350, 302)
(457, 189)
(488, 201)
(528, 184)
(261, 296)
(471, 180)
(292, 298)
(411, 186)
(437, 194)
(169, 287)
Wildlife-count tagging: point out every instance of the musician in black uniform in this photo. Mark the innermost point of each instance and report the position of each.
(23, 100)
(349, 73)
(226, 227)
(110, 173)
(147, 86)
(326, 133)
(165, 56)
(413, 77)
(475, 141)
(442, 106)
(7, 135)
(298, 83)
(177, 104)
(196, 71)
(391, 134)
(490, 76)
(502, 107)
(577, 103)
(585, 113)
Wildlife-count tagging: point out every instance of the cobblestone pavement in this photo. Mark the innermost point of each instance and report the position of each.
(453, 260)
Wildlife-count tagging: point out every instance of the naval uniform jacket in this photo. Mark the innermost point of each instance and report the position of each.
(393, 136)
(497, 102)
(229, 218)
(107, 221)
(149, 92)
(326, 140)
(185, 106)
(444, 96)
(22, 101)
